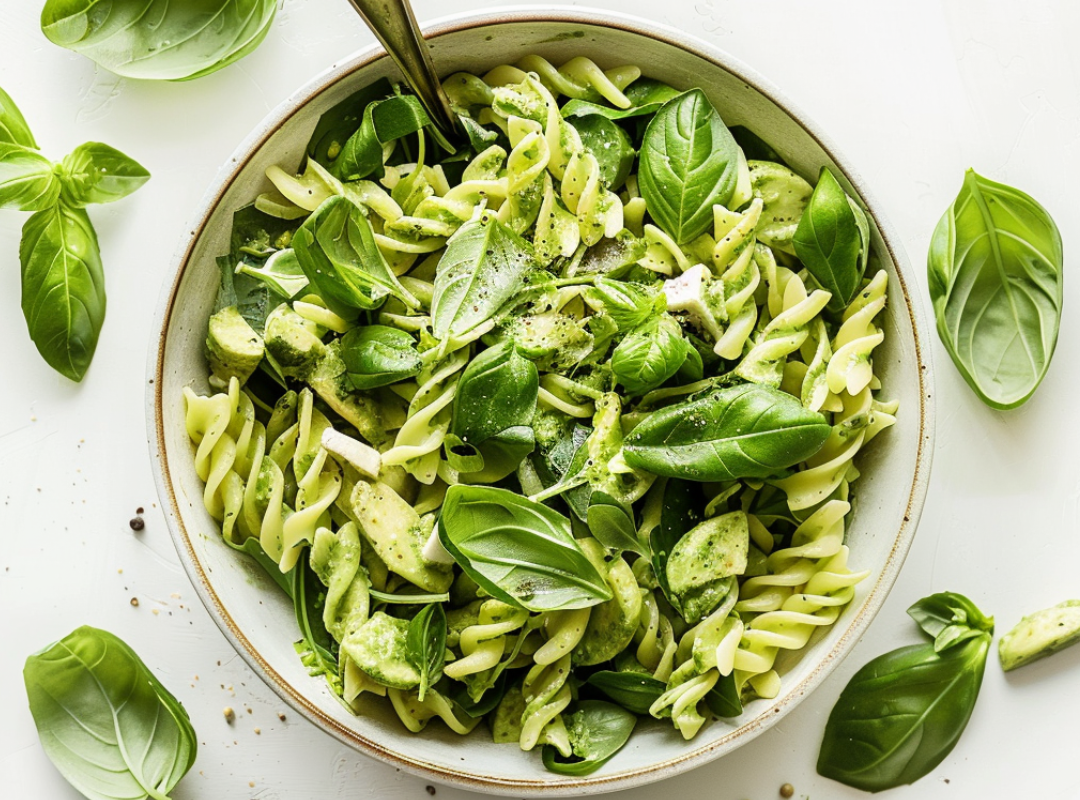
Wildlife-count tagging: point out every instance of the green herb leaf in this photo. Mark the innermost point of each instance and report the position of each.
(950, 619)
(337, 125)
(828, 241)
(612, 523)
(519, 551)
(27, 180)
(646, 95)
(425, 645)
(484, 266)
(723, 699)
(309, 598)
(628, 304)
(903, 713)
(754, 147)
(96, 173)
(338, 254)
(383, 122)
(378, 355)
(995, 274)
(689, 163)
(747, 431)
(13, 127)
(105, 720)
(63, 288)
(650, 355)
(634, 691)
(610, 145)
(253, 547)
(159, 41)
(597, 731)
(281, 273)
(680, 511)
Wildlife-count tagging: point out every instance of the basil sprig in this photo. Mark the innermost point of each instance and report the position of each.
(689, 163)
(517, 550)
(597, 731)
(747, 431)
(995, 274)
(425, 645)
(378, 355)
(105, 721)
(63, 282)
(903, 713)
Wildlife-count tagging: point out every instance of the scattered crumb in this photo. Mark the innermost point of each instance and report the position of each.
(175, 595)
(430, 790)
(139, 510)
(258, 731)
(248, 710)
(120, 571)
(230, 715)
(251, 784)
(135, 601)
(281, 717)
(155, 612)
(787, 790)
(137, 524)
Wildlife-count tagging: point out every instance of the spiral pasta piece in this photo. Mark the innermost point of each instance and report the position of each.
(546, 696)
(564, 630)
(415, 713)
(482, 645)
(850, 368)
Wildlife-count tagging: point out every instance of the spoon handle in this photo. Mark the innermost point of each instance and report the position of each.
(394, 25)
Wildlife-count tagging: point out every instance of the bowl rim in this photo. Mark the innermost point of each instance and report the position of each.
(637, 776)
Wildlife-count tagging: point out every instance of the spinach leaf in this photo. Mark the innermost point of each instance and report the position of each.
(105, 720)
(723, 699)
(378, 355)
(281, 273)
(611, 146)
(425, 645)
(611, 522)
(309, 598)
(828, 241)
(27, 180)
(484, 266)
(634, 691)
(995, 274)
(597, 730)
(337, 125)
(338, 254)
(689, 163)
(746, 431)
(383, 122)
(903, 713)
(13, 127)
(492, 414)
(517, 550)
(155, 40)
(650, 355)
(63, 287)
(96, 173)
(646, 96)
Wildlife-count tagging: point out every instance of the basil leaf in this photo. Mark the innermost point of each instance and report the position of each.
(646, 95)
(828, 241)
(754, 147)
(612, 524)
(488, 701)
(27, 180)
(723, 699)
(628, 304)
(105, 720)
(337, 125)
(338, 254)
(378, 355)
(281, 273)
(425, 645)
(680, 511)
(950, 618)
(63, 288)
(689, 163)
(634, 691)
(597, 731)
(257, 234)
(610, 145)
(649, 355)
(152, 40)
(519, 551)
(902, 714)
(383, 122)
(13, 127)
(484, 266)
(492, 413)
(747, 431)
(995, 274)
(309, 598)
(96, 173)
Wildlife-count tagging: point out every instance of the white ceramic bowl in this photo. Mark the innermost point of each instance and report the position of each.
(257, 619)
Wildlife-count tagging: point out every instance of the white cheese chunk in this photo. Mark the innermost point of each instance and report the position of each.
(434, 550)
(687, 293)
(364, 457)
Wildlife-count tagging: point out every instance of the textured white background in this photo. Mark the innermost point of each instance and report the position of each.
(912, 92)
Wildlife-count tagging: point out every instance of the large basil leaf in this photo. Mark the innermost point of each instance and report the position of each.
(597, 731)
(902, 714)
(383, 122)
(158, 39)
(828, 241)
(337, 251)
(519, 551)
(96, 173)
(378, 355)
(689, 163)
(995, 274)
(747, 431)
(13, 127)
(650, 355)
(105, 720)
(63, 288)
(425, 645)
(492, 414)
(27, 180)
(634, 691)
(483, 267)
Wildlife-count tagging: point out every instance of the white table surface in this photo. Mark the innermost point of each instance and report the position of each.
(913, 93)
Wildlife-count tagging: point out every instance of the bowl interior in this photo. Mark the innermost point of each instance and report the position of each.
(260, 621)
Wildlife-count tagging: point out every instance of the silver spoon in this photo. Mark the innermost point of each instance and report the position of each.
(394, 25)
